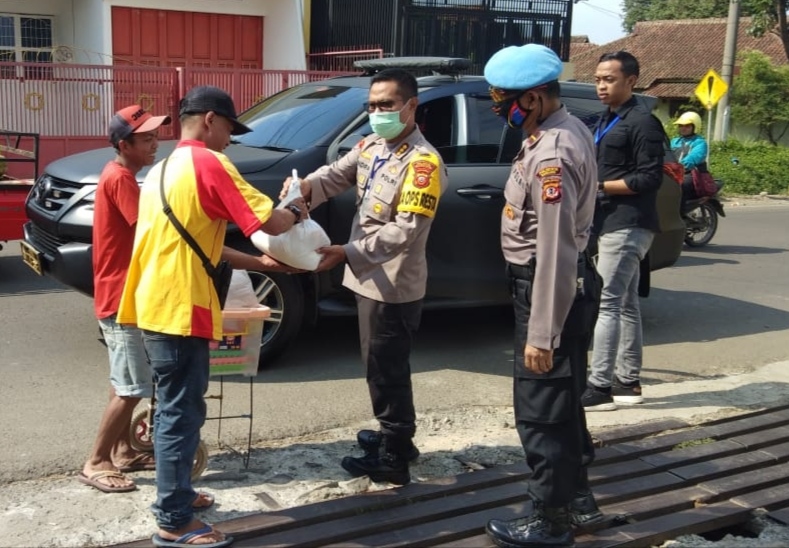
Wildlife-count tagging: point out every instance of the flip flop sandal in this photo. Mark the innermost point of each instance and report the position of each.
(94, 481)
(187, 540)
(203, 501)
(142, 461)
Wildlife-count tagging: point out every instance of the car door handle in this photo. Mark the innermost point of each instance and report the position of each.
(483, 192)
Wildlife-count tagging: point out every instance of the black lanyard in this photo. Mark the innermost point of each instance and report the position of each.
(599, 135)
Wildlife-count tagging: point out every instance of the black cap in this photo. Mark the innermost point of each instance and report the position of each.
(202, 99)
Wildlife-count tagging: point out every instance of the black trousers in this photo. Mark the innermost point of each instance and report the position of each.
(386, 332)
(549, 416)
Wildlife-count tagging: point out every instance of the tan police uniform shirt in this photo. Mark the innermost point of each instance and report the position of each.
(397, 195)
(550, 200)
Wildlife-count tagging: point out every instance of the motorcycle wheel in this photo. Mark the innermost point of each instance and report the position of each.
(201, 461)
(702, 223)
(141, 432)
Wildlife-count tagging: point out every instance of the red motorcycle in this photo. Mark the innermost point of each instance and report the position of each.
(701, 218)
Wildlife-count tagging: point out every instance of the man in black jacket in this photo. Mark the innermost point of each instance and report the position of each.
(629, 142)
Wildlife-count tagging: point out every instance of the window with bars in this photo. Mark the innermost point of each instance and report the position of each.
(25, 39)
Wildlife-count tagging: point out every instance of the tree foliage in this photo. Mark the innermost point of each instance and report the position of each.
(770, 16)
(760, 95)
(655, 10)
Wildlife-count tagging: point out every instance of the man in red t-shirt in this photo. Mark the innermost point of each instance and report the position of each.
(133, 133)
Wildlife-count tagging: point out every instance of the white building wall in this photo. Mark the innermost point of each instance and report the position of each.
(61, 10)
(89, 33)
(283, 36)
(86, 25)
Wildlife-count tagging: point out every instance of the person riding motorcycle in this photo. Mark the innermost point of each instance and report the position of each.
(690, 148)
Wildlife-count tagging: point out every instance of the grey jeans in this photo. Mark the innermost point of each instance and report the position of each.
(618, 338)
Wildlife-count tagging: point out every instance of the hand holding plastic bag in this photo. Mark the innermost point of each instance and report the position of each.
(296, 247)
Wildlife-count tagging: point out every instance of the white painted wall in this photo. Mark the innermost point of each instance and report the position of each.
(86, 25)
(283, 36)
(232, 7)
(90, 33)
(61, 10)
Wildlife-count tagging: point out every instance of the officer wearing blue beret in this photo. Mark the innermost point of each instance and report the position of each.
(545, 225)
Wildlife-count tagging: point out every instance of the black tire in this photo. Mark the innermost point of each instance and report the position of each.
(703, 223)
(284, 295)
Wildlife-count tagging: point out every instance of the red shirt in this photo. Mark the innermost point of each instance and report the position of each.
(114, 219)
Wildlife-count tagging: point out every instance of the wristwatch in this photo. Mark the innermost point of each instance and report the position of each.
(296, 210)
(601, 186)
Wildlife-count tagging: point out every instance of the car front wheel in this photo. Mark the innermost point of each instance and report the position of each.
(284, 295)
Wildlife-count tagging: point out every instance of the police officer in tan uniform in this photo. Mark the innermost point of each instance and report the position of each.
(545, 224)
(399, 178)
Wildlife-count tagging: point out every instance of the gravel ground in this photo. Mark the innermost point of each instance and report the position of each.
(59, 511)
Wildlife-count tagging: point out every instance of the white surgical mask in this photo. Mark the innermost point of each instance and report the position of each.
(387, 124)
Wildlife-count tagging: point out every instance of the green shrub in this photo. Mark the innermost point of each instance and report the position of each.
(759, 167)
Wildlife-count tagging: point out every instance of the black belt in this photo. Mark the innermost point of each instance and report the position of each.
(525, 272)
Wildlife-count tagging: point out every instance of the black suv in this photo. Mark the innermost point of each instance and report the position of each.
(312, 124)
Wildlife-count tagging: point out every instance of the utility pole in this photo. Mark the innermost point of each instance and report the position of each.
(722, 117)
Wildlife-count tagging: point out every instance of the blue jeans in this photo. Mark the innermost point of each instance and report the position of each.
(180, 371)
(618, 341)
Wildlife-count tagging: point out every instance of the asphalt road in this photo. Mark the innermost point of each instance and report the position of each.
(721, 310)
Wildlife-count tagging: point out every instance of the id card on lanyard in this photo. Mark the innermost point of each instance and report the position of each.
(377, 164)
(598, 135)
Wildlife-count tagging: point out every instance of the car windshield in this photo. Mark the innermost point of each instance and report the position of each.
(301, 116)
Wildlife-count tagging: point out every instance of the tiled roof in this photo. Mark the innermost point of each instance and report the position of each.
(580, 47)
(673, 53)
(674, 90)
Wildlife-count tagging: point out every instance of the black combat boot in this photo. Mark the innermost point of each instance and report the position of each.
(370, 442)
(545, 527)
(584, 510)
(391, 466)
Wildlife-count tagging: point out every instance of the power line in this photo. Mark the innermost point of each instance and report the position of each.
(600, 9)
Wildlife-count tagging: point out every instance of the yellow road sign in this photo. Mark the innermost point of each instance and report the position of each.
(711, 89)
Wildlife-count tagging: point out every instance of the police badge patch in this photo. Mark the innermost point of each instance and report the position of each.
(422, 171)
(551, 190)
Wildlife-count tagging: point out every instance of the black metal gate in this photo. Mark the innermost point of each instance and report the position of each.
(474, 29)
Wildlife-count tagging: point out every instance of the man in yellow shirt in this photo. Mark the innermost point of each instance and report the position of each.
(170, 297)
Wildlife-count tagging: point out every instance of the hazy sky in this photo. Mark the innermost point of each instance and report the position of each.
(600, 20)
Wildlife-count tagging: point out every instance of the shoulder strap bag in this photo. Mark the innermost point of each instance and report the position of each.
(221, 273)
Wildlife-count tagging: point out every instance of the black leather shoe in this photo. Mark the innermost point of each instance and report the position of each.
(584, 510)
(370, 442)
(545, 527)
(388, 467)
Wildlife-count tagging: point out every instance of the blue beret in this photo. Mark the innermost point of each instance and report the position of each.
(523, 67)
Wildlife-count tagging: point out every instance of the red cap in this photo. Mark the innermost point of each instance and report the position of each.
(133, 119)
